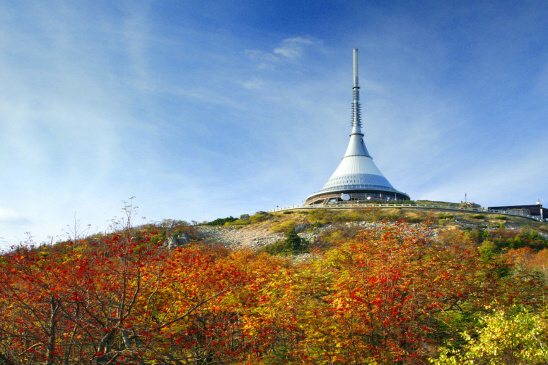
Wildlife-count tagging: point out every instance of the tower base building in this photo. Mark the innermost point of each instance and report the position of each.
(357, 179)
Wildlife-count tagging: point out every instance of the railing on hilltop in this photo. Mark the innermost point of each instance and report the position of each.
(419, 206)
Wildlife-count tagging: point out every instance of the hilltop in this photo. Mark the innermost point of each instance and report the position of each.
(380, 285)
(319, 226)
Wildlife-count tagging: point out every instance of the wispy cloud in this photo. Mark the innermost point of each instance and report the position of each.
(137, 37)
(289, 49)
(264, 60)
(294, 47)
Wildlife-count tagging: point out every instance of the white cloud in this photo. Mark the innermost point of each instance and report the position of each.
(289, 49)
(264, 60)
(294, 47)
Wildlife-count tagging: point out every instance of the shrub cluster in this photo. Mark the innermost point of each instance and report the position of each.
(221, 221)
(291, 245)
(283, 226)
(389, 296)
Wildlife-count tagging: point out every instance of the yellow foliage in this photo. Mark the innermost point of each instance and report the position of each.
(283, 226)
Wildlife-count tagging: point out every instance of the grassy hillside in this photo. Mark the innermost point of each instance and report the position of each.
(363, 286)
(348, 223)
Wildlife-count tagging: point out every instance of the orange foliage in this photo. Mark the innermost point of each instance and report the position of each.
(388, 296)
(529, 258)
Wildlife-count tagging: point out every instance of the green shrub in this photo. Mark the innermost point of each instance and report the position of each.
(260, 217)
(499, 241)
(221, 221)
(478, 216)
(501, 217)
(446, 216)
(238, 222)
(477, 236)
(291, 245)
(487, 250)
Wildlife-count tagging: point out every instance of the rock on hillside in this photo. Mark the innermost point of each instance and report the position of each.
(318, 224)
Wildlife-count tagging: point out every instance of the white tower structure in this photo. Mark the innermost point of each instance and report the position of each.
(357, 179)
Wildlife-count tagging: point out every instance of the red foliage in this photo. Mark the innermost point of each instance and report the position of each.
(388, 296)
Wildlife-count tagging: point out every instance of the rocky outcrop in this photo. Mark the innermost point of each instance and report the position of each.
(255, 237)
(179, 240)
(242, 237)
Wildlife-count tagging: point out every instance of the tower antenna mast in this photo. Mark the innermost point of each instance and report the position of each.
(356, 109)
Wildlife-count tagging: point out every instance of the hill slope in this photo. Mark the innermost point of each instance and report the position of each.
(320, 225)
(376, 286)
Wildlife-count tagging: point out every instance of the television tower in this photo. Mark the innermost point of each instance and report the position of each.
(357, 179)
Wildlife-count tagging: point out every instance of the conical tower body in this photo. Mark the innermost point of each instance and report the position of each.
(357, 179)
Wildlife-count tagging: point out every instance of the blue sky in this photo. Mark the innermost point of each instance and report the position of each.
(205, 109)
